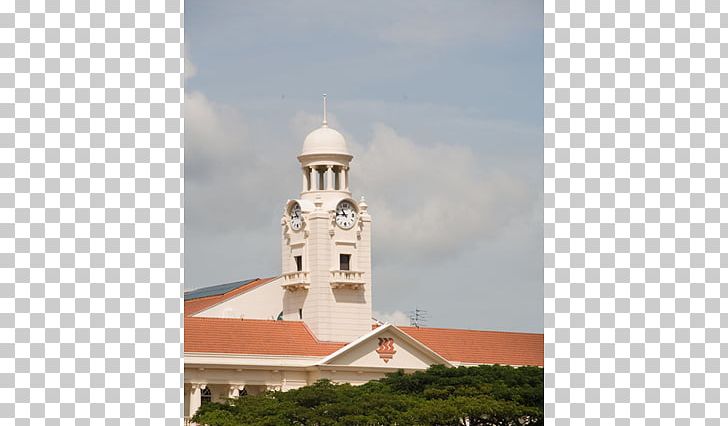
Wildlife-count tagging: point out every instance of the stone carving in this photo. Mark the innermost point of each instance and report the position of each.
(386, 348)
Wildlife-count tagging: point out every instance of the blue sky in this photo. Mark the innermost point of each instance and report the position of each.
(442, 106)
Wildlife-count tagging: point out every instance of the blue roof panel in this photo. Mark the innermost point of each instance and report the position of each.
(215, 290)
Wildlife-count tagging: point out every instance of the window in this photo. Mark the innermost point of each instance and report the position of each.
(206, 395)
(242, 392)
(299, 263)
(344, 261)
(300, 313)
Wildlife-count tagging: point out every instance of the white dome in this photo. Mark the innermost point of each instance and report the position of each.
(324, 140)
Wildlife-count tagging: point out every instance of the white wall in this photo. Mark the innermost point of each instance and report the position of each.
(339, 315)
(263, 302)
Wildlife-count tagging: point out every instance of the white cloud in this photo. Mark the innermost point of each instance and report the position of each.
(225, 169)
(432, 200)
(396, 317)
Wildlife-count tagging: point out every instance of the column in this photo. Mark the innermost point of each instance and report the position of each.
(195, 398)
(329, 178)
(233, 391)
(345, 178)
(313, 178)
(304, 184)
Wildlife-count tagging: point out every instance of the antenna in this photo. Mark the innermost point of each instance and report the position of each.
(325, 122)
(418, 317)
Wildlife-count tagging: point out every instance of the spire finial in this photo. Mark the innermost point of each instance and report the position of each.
(325, 122)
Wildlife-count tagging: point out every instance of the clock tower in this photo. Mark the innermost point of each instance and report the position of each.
(326, 244)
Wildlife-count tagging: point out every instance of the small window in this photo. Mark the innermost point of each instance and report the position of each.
(344, 261)
(206, 395)
(299, 263)
(300, 313)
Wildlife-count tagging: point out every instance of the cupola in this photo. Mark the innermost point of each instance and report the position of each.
(324, 140)
(325, 162)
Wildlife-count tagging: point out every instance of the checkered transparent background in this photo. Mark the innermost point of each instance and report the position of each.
(634, 205)
(90, 212)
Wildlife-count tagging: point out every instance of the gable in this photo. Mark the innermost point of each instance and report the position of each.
(259, 300)
(385, 347)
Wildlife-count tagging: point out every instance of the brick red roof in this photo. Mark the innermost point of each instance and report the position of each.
(268, 337)
(481, 347)
(253, 337)
(196, 305)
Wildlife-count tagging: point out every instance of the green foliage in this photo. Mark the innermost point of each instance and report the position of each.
(488, 395)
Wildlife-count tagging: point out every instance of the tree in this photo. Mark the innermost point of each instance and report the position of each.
(488, 395)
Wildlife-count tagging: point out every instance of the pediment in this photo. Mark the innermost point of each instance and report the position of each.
(385, 347)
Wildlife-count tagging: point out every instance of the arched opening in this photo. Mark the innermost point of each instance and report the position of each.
(321, 178)
(206, 395)
(337, 178)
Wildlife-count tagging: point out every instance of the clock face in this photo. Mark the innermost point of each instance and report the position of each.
(345, 215)
(296, 218)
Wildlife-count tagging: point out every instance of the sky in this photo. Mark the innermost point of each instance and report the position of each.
(441, 104)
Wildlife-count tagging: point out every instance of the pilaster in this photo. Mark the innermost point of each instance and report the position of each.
(196, 397)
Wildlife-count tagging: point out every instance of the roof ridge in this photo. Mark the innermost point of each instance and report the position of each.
(410, 327)
(245, 319)
(222, 284)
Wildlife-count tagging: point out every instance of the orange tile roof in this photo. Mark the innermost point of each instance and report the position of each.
(481, 347)
(254, 337)
(196, 305)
